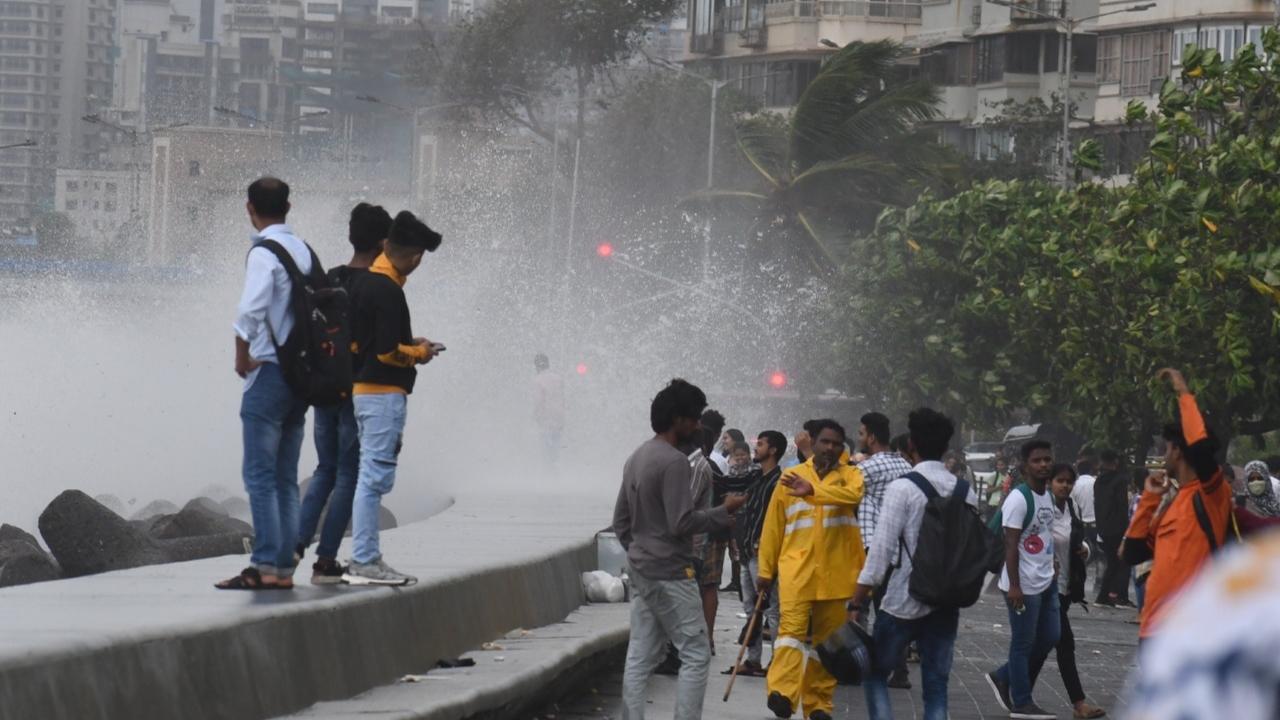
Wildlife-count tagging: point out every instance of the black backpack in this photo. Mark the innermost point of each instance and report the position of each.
(316, 357)
(950, 563)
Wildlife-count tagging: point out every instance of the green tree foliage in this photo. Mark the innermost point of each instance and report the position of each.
(852, 146)
(511, 61)
(1019, 295)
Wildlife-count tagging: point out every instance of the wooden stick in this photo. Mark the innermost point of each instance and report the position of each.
(746, 640)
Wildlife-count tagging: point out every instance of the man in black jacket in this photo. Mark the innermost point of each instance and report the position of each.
(1111, 505)
(385, 371)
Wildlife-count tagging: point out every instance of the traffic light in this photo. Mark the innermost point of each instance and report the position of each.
(582, 368)
(604, 250)
(778, 379)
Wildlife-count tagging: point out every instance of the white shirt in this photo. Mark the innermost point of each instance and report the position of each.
(720, 460)
(1082, 496)
(900, 516)
(1035, 548)
(264, 304)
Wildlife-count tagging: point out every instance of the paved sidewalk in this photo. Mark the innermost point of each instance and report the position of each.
(1106, 640)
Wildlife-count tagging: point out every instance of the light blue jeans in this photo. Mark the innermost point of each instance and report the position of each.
(663, 610)
(381, 422)
(1033, 635)
(747, 575)
(334, 481)
(274, 421)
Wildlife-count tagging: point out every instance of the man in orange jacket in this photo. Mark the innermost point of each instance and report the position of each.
(1196, 521)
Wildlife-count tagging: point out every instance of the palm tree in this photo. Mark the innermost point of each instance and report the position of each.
(853, 145)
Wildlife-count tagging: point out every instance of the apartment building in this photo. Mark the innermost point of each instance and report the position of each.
(102, 204)
(1138, 51)
(55, 60)
(772, 49)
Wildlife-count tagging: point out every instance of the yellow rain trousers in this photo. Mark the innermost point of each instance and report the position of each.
(813, 550)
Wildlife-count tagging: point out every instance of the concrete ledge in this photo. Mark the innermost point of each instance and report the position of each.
(160, 642)
(529, 670)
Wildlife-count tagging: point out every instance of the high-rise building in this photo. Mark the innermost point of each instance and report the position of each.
(772, 49)
(55, 67)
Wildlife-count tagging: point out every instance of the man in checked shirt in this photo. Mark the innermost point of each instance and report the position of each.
(880, 468)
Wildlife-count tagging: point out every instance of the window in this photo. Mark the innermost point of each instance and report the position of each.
(1085, 49)
(73, 186)
(1023, 54)
(73, 204)
(193, 168)
(1109, 59)
(322, 8)
(991, 59)
(1144, 58)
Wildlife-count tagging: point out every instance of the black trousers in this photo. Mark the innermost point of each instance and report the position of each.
(1066, 657)
(1115, 579)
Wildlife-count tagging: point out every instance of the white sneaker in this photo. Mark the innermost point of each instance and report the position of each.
(377, 572)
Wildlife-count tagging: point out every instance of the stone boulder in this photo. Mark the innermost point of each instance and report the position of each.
(87, 538)
(113, 503)
(23, 562)
(216, 492)
(196, 519)
(386, 519)
(154, 508)
(238, 508)
(10, 532)
(208, 505)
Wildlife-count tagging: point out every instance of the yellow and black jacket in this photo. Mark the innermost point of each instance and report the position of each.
(385, 356)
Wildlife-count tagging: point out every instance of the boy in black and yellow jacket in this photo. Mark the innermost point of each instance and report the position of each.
(387, 354)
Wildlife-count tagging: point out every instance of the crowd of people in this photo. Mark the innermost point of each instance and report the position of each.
(358, 430)
(830, 538)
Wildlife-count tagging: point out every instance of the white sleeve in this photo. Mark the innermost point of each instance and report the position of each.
(251, 313)
(1014, 511)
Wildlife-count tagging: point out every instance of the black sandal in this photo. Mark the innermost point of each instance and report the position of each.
(248, 579)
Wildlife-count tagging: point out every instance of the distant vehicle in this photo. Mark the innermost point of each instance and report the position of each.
(1019, 434)
(981, 459)
(982, 447)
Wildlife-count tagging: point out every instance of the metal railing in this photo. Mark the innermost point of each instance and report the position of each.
(907, 10)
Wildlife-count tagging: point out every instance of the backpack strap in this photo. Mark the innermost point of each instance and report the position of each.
(1202, 517)
(286, 259)
(1030, 515)
(923, 484)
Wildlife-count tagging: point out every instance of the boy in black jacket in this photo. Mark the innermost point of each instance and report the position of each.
(385, 370)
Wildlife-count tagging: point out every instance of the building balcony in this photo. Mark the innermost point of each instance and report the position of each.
(840, 9)
(712, 44)
(1036, 10)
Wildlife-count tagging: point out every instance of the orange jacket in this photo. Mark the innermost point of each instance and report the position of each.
(1176, 539)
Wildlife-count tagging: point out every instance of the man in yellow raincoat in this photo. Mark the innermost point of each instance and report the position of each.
(811, 548)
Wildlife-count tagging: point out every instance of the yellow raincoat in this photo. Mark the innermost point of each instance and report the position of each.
(812, 548)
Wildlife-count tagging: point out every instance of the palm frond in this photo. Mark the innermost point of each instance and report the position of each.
(764, 145)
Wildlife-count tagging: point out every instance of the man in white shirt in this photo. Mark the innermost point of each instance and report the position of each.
(1027, 581)
(272, 414)
(901, 619)
(1082, 496)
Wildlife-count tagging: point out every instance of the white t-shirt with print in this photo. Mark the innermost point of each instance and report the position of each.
(1035, 549)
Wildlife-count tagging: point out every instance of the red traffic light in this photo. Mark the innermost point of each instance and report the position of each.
(604, 250)
(778, 379)
(582, 368)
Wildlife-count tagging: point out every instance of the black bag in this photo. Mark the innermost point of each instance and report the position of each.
(950, 562)
(316, 357)
(1206, 527)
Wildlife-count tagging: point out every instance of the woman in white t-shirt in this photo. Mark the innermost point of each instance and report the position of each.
(1070, 554)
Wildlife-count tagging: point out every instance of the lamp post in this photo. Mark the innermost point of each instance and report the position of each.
(1068, 26)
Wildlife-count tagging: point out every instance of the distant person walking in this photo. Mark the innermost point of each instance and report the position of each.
(1111, 507)
(901, 619)
(272, 415)
(385, 375)
(811, 548)
(1027, 580)
(1082, 498)
(1070, 554)
(655, 519)
(336, 436)
(880, 468)
(548, 408)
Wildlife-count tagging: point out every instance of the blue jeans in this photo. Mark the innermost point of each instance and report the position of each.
(1035, 633)
(334, 481)
(935, 634)
(274, 421)
(381, 422)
